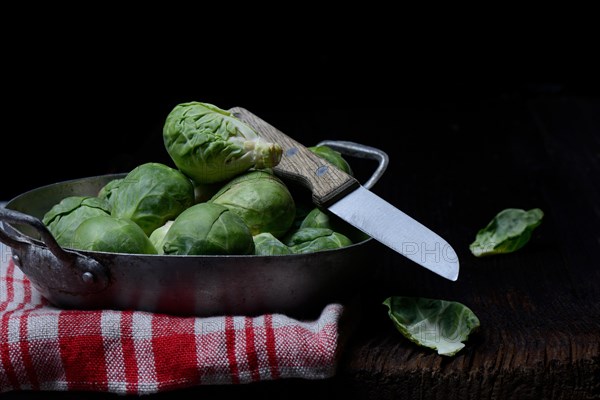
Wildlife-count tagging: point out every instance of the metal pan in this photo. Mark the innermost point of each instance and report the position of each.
(181, 285)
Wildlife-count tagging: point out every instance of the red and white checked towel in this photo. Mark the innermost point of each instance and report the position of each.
(133, 352)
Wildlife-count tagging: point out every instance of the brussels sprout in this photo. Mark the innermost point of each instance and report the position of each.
(151, 194)
(266, 244)
(108, 190)
(208, 228)
(322, 218)
(64, 217)
(261, 199)
(334, 157)
(510, 230)
(310, 240)
(210, 145)
(110, 234)
(316, 218)
(158, 235)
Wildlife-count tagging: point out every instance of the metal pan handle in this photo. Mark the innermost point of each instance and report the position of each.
(16, 217)
(361, 151)
(62, 269)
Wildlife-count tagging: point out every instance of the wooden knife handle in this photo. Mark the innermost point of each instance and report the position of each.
(326, 182)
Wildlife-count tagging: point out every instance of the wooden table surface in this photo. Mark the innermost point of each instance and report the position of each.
(453, 166)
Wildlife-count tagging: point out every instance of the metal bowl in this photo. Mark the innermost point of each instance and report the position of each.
(182, 285)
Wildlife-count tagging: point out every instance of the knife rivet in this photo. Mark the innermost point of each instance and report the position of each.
(291, 151)
(87, 277)
(322, 170)
(16, 260)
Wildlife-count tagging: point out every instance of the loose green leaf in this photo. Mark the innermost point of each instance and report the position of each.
(438, 324)
(509, 231)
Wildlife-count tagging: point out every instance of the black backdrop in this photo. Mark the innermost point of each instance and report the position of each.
(59, 128)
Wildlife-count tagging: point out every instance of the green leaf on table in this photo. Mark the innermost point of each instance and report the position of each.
(438, 324)
(509, 231)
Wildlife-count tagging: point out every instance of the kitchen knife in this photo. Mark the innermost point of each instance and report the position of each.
(345, 197)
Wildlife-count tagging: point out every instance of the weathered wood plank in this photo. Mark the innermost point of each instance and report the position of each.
(539, 308)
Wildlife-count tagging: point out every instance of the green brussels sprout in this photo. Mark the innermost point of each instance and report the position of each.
(64, 217)
(210, 145)
(261, 199)
(333, 156)
(152, 194)
(316, 218)
(265, 244)
(107, 192)
(158, 235)
(208, 228)
(310, 240)
(110, 234)
(323, 218)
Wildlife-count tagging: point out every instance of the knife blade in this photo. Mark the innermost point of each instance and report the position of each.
(343, 195)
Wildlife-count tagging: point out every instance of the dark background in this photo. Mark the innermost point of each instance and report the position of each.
(87, 96)
(65, 127)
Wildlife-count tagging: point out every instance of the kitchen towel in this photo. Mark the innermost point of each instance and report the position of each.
(133, 352)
